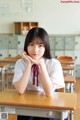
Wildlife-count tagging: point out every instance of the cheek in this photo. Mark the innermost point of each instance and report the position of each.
(28, 49)
(43, 51)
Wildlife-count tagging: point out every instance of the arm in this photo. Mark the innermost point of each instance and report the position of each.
(45, 79)
(22, 83)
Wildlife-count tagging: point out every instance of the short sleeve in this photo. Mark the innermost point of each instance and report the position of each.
(19, 69)
(56, 73)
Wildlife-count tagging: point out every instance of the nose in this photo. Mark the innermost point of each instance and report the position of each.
(36, 48)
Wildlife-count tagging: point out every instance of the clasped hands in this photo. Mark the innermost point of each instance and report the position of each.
(29, 59)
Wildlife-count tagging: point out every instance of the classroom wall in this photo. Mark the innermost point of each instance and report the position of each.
(56, 17)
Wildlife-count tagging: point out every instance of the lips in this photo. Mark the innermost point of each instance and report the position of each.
(35, 54)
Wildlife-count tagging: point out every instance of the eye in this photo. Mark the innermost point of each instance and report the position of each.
(31, 44)
(41, 45)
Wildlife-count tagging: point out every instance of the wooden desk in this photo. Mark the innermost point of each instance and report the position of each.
(67, 62)
(9, 60)
(70, 79)
(35, 104)
(3, 67)
(69, 68)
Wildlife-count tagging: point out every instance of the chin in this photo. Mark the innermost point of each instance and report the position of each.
(35, 58)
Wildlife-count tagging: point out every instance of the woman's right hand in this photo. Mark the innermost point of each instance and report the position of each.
(25, 57)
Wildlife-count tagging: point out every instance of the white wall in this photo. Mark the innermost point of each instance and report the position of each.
(54, 16)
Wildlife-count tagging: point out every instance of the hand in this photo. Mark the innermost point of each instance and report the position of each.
(25, 57)
(38, 62)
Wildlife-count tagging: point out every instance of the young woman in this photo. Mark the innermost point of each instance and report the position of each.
(37, 70)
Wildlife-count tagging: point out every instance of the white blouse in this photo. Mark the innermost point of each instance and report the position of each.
(54, 70)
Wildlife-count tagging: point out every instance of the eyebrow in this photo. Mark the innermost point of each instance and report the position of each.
(38, 42)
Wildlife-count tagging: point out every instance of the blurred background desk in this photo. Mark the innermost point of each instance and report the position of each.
(69, 69)
(8, 61)
(4, 73)
(68, 64)
(69, 79)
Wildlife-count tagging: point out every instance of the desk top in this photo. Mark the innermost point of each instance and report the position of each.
(69, 78)
(67, 62)
(2, 65)
(9, 59)
(68, 67)
(59, 101)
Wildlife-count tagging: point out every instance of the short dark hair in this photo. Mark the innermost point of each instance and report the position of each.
(38, 32)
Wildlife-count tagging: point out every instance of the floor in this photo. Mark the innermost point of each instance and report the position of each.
(76, 112)
(77, 90)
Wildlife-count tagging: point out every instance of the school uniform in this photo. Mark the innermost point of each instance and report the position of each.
(55, 72)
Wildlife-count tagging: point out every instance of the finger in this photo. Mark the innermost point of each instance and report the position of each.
(32, 60)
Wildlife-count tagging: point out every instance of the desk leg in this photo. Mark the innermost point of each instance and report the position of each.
(68, 87)
(2, 70)
(7, 72)
(72, 72)
(71, 115)
(71, 87)
(62, 116)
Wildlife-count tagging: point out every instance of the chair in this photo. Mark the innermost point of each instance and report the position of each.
(68, 64)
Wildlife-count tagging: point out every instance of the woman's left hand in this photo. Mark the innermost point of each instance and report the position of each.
(38, 62)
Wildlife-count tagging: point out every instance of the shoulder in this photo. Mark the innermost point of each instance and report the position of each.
(53, 64)
(52, 61)
(20, 63)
